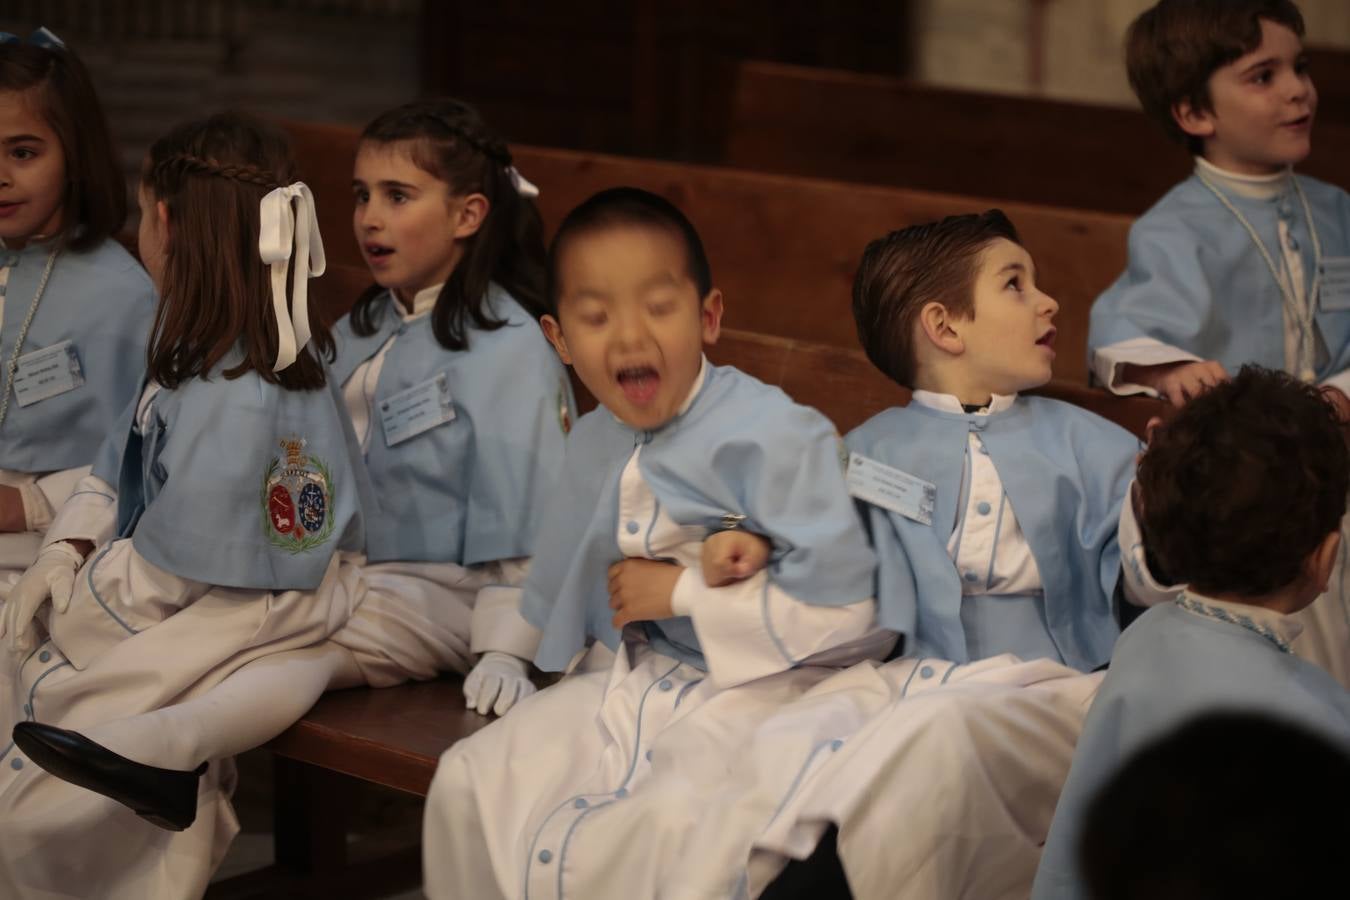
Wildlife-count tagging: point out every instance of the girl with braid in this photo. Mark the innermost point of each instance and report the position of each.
(75, 308)
(206, 536)
(460, 409)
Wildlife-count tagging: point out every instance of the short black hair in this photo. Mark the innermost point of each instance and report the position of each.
(1243, 484)
(906, 269)
(628, 206)
(1189, 817)
(1172, 49)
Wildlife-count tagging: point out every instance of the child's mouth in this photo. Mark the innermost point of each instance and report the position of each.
(639, 384)
(8, 208)
(1047, 340)
(378, 251)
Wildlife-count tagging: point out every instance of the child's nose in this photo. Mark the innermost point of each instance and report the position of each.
(1049, 305)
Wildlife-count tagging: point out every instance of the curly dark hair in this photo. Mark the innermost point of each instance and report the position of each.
(1243, 484)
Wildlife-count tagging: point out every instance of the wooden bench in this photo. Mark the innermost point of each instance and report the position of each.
(393, 737)
(879, 130)
(783, 249)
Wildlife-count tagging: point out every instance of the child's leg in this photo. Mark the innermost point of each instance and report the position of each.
(246, 709)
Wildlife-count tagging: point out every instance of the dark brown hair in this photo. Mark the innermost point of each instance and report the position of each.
(632, 207)
(449, 140)
(899, 273)
(1243, 484)
(216, 292)
(57, 84)
(1172, 50)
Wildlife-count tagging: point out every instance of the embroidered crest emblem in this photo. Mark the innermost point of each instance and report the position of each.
(297, 498)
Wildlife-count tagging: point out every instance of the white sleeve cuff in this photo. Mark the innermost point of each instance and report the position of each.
(1340, 381)
(1108, 362)
(753, 628)
(89, 514)
(47, 494)
(497, 624)
(1141, 587)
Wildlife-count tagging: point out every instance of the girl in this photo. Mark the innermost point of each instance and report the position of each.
(228, 489)
(73, 332)
(458, 448)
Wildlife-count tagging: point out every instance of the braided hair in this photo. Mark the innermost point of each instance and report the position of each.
(216, 295)
(449, 140)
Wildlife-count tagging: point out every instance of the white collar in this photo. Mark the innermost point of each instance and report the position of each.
(697, 386)
(423, 302)
(1255, 187)
(951, 403)
(1255, 618)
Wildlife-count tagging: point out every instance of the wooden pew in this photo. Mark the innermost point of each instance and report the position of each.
(393, 737)
(783, 249)
(879, 130)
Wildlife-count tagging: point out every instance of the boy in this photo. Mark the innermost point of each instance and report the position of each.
(994, 518)
(1242, 495)
(1243, 261)
(633, 741)
(1015, 549)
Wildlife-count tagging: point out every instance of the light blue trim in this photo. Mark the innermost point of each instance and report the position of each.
(998, 530)
(953, 668)
(904, 691)
(29, 712)
(89, 576)
(961, 502)
(632, 767)
(95, 493)
(567, 839)
(768, 625)
(685, 690)
(651, 526)
(796, 781)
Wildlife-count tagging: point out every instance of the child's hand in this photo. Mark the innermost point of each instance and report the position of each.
(12, 517)
(1178, 382)
(731, 556)
(1339, 401)
(640, 590)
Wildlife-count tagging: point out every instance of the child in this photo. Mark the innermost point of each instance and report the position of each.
(230, 486)
(1242, 495)
(994, 518)
(1244, 261)
(460, 458)
(73, 333)
(633, 740)
(1008, 544)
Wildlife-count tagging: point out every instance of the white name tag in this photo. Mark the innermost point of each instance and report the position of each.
(891, 489)
(1335, 290)
(47, 373)
(420, 408)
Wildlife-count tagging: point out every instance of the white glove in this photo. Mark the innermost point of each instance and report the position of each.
(52, 575)
(500, 679)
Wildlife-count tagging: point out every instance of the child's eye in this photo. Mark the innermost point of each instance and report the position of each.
(663, 308)
(1302, 66)
(398, 196)
(361, 196)
(22, 153)
(1263, 77)
(594, 320)
(1015, 283)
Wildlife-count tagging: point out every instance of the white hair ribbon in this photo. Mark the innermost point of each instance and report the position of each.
(524, 187)
(281, 227)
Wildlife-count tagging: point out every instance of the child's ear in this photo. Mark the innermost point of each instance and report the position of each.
(1196, 122)
(935, 323)
(553, 331)
(473, 210)
(162, 214)
(1323, 560)
(710, 314)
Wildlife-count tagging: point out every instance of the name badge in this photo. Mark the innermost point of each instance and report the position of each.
(420, 408)
(892, 489)
(1335, 290)
(47, 373)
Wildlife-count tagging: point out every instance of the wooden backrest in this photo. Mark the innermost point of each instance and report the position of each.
(878, 130)
(783, 249)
